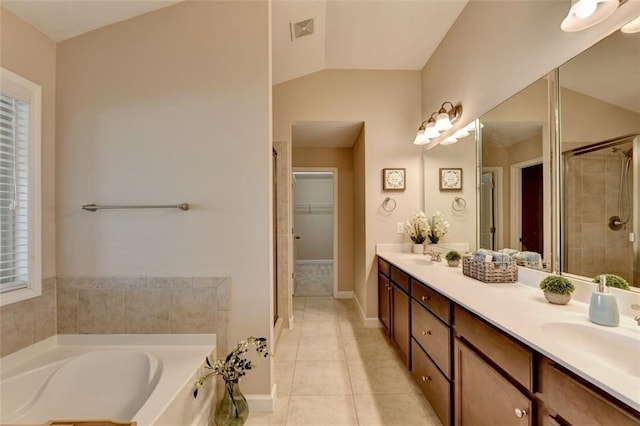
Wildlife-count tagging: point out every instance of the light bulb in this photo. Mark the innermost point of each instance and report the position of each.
(443, 122)
(585, 8)
(421, 138)
(431, 131)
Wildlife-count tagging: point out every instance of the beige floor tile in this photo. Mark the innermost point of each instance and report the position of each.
(429, 410)
(287, 350)
(400, 410)
(320, 314)
(321, 378)
(284, 377)
(368, 348)
(387, 376)
(321, 349)
(324, 410)
(298, 303)
(320, 302)
(276, 418)
(319, 329)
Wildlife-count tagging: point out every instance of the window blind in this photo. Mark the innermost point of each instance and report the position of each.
(14, 191)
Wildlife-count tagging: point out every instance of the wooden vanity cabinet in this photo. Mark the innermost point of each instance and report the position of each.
(394, 306)
(568, 400)
(483, 396)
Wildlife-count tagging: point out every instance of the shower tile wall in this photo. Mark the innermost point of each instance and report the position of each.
(314, 278)
(593, 182)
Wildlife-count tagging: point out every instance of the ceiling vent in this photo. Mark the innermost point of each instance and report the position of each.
(302, 28)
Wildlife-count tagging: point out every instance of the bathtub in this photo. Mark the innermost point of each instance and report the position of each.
(142, 378)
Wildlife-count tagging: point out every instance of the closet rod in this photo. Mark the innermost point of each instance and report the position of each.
(94, 207)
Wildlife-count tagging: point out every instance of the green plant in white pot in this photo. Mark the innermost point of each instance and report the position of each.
(613, 281)
(557, 289)
(453, 258)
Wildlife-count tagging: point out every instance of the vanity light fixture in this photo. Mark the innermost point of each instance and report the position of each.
(584, 14)
(431, 131)
(631, 27)
(449, 141)
(446, 118)
(421, 137)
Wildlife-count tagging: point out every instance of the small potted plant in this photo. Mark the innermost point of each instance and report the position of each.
(613, 281)
(557, 289)
(453, 258)
(232, 409)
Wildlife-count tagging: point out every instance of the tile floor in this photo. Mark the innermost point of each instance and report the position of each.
(331, 370)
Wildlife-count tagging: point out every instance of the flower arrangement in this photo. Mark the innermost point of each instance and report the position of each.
(437, 227)
(417, 227)
(235, 365)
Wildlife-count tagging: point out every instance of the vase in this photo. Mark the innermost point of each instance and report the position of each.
(557, 299)
(232, 409)
(418, 248)
(453, 263)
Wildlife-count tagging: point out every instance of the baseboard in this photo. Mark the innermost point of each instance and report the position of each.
(367, 321)
(344, 295)
(262, 403)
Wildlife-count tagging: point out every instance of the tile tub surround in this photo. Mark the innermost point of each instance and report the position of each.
(29, 321)
(144, 305)
(520, 311)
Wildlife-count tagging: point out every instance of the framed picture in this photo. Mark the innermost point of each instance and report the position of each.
(451, 179)
(393, 179)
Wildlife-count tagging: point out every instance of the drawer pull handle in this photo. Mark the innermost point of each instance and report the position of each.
(425, 298)
(520, 413)
(426, 378)
(427, 332)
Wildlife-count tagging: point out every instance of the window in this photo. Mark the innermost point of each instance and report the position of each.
(20, 213)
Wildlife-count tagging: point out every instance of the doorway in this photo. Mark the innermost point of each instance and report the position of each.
(491, 223)
(315, 231)
(532, 232)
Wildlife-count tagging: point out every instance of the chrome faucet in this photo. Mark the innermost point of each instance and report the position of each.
(435, 255)
(636, 308)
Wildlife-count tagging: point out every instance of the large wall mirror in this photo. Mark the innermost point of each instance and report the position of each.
(515, 180)
(600, 146)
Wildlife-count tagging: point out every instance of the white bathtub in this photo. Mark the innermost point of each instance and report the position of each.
(142, 378)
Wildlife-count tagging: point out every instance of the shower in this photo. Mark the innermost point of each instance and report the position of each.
(616, 222)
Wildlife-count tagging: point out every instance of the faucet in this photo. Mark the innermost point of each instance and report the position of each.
(435, 255)
(636, 308)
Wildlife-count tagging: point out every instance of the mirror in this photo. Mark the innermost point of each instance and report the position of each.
(600, 145)
(515, 182)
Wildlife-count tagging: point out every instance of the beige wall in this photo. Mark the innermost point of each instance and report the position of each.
(155, 110)
(28, 53)
(359, 219)
(477, 65)
(342, 158)
(388, 102)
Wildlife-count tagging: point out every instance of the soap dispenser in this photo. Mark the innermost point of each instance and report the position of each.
(603, 308)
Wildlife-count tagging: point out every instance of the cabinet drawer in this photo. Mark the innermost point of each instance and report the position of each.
(433, 336)
(432, 300)
(383, 266)
(400, 278)
(503, 351)
(434, 385)
(577, 403)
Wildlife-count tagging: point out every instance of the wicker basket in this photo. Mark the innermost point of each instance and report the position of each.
(490, 272)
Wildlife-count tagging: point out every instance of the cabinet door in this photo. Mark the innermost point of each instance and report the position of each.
(400, 333)
(384, 290)
(483, 396)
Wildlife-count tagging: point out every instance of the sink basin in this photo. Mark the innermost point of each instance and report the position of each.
(426, 260)
(608, 347)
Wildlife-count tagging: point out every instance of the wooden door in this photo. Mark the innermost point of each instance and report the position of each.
(400, 334)
(384, 290)
(532, 208)
(483, 396)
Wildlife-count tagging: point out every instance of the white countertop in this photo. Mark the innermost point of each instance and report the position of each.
(522, 312)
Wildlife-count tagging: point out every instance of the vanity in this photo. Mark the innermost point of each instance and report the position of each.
(499, 354)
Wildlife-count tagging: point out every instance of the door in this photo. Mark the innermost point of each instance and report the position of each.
(483, 396)
(487, 222)
(532, 209)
